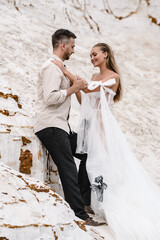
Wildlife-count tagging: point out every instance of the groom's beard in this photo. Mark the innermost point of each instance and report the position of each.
(66, 55)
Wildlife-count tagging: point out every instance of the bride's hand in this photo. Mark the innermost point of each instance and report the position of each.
(59, 64)
(79, 78)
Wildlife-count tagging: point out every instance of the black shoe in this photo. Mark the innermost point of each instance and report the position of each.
(90, 222)
(88, 209)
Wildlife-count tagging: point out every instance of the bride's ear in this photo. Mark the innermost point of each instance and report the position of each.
(105, 55)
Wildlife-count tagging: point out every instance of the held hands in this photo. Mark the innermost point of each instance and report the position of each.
(80, 83)
(59, 64)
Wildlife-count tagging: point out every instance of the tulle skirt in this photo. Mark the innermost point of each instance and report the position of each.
(126, 195)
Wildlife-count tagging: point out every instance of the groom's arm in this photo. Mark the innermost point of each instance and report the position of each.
(51, 86)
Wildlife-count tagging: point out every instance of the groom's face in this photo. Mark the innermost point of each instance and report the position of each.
(69, 49)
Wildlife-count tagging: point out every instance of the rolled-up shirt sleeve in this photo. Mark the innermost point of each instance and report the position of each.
(51, 86)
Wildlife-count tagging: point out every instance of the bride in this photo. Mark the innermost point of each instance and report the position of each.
(122, 191)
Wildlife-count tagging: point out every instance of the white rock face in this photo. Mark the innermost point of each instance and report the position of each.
(31, 210)
(130, 27)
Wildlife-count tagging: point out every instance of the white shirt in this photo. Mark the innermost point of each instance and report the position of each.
(52, 106)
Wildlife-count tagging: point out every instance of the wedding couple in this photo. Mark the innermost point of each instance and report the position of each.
(111, 180)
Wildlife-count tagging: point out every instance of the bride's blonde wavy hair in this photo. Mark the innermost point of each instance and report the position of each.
(111, 64)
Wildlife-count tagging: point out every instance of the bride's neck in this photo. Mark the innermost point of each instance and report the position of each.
(103, 69)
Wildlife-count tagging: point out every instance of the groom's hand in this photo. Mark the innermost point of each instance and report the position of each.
(79, 78)
(80, 83)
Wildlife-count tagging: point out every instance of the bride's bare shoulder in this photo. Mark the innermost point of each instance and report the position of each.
(115, 76)
(94, 76)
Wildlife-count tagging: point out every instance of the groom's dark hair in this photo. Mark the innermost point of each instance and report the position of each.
(61, 35)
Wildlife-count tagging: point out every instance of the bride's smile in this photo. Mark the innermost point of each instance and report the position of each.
(98, 57)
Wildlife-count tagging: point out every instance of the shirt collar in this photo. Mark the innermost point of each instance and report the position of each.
(56, 57)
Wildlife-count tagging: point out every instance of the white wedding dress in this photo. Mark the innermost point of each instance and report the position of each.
(122, 190)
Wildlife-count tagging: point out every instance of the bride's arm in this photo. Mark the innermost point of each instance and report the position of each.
(86, 90)
(78, 96)
(70, 76)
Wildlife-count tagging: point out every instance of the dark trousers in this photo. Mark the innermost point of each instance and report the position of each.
(61, 148)
(83, 180)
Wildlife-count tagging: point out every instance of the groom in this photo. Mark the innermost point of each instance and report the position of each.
(51, 124)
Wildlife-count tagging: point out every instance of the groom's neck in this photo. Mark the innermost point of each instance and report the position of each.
(59, 54)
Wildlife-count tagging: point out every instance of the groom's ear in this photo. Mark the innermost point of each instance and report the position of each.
(63, 45)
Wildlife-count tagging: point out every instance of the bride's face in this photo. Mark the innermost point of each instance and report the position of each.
(97, 56)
